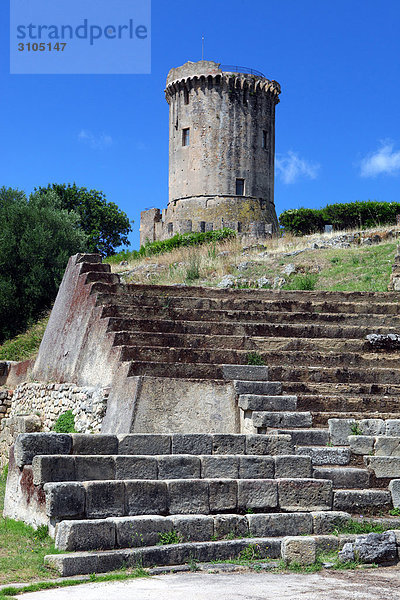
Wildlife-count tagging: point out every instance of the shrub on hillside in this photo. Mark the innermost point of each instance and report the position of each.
(65, 423)
(36, 239)
(351, 215)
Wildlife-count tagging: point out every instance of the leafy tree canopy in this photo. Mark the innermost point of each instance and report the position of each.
(106, 226)
(37, 236)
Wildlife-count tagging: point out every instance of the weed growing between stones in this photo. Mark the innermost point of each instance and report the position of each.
(303, 281)
(359, 527)
(170, 537)
(355, 429)
(254, 358)
(65, 423)
(251, 552)
(395, 512)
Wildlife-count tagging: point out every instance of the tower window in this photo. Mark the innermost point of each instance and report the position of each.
(186, 96)
(239, 187)
(185, 137)
(264, 139)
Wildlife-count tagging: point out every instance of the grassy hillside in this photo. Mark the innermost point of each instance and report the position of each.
(26, 344)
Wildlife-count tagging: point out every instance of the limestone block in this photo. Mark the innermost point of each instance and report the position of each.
(256, 467)
(178, 467)
(385, 466)
(144, 443)
(245, 372)
(83, 443)
(394, 487)
(230, 525)
(136, 467)
(386, 445)
(339, 430)
(325, 456)
(146, 497)
(362, 501)
(140, 530)
(269, 444)
(281, 419)
(326, 543)
(299, 550)
(361, 444)
(73, 536)
(343, 477)
(325, 522)
(347, 553)
(259, 494)
(65, 499)
(225, 443)
(188, 497)
(372, 426)
(105, 499)
(223, 494)
(280, 524)
(28, 445)
(292, 466)
(192, 443)
(376, 548)
(253, 402)
(193, 528)
(92, 468)
(392, 427)
(53, 468)
(226, 467)
(297, 495)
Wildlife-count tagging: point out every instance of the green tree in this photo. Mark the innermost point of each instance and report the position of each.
(37, 237)
(106, 226)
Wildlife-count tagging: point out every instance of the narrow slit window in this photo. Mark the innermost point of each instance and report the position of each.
(239, 187)
(264, 140)
(186, 96)
(185, 137)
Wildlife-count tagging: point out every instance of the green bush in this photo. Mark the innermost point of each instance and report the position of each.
(65, 423)
(305, 281)
(177, 241)
(254, 358)
(350, 215)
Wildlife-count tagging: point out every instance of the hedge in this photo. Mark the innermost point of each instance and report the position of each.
(303, 221)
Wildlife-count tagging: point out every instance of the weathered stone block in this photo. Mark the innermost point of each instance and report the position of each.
(387, 446)
(83, 443)
(372, 426)
(265, 388)
(325, 456)
(343, 477)
(136, 467)
(280, 524)
(245, 372)
(306, 437)
(178, 467)
(256, 467)
(144, 443)
(297, 495)
(364, 501)
(394, 487)
(376, 548)
(260, 494)
(65, 499)
(292, 466)
(347, 553)
(326, 543)
(299, 550)
(105, 499)
(253, 402)
(28, 445)
(339, 430)
(139, 531)
(146, 497)
(92, 468)
(230, 526)
(225, 443)
(188, 497)
(192, 443)
(281, 419)
(193, 528)
(53, 468)
(223, 495)
(385, 466)
(269, 444)
(226, 467)
(325, 522)
(361, 444)
(74, 536)
(392, 427)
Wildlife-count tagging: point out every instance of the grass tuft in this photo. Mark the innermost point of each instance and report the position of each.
(26, 344)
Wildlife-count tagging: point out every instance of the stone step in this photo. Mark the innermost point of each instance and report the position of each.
(334, 375)
(234, 372)
(102, 499)
(325, 455)
(248, 303)
(321, 419)
(352, 389)
(387, 467)
(344, 477)
(307, 437)
(265, 419)
(364, 502)
(83, 563)
(271, 403)
(59, 468)
(267, 388)
(148, 530)
(346, 403)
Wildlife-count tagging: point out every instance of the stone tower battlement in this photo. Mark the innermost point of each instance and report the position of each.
(221, 152)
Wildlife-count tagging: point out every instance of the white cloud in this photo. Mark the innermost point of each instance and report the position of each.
(95, 141)
(384, 161)
(291, 167)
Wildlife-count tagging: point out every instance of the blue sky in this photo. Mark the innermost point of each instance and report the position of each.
(337, 126)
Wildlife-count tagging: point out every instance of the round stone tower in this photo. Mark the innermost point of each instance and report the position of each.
(221, 150)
